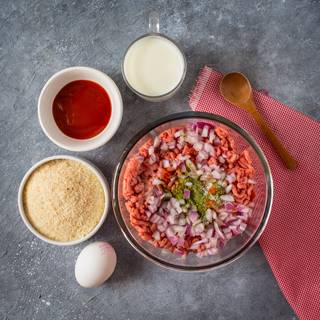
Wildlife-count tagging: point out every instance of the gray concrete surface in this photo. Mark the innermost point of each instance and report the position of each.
(276, 43)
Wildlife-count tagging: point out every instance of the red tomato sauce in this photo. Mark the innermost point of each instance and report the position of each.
(82, 109)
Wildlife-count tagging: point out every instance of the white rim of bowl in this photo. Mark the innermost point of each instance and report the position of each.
(118, 111)
(92, 168)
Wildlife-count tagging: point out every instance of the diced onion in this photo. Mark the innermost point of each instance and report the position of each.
(199, 228)
(211, 136)
(221, 159)
(231, 178)
(227, 197)
(156, 142)
(186, 194)
(164, 146)
(196, 244)
(209, 215)
(216, 174)
(198, 146)
(218, 231)
(165, 163)
(172, 144)
(151, 150)
(178, 134)
(228, 188)
(205, 131)
(209, 148)
(193, 216)
(156, 235)
(173, 240)
(156, 182)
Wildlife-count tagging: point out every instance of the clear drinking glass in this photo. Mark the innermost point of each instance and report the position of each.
(237, 246)
(154, 32)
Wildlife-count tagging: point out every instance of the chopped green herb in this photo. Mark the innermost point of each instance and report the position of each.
(199, 197)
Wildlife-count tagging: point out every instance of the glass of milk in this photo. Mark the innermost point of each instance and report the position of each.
(154, 66)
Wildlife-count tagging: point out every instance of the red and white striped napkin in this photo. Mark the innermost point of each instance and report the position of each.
(291, 241)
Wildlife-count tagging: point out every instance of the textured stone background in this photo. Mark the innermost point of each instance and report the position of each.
(276, 43)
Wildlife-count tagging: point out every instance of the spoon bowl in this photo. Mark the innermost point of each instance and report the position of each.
(235, 88)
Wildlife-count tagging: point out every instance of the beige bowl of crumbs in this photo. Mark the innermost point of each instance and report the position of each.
(63, 200)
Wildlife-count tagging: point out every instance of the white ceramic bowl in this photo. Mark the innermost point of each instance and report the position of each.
(97, 173)
(51, 89)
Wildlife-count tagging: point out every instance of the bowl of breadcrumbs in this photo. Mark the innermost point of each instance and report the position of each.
(63, 200)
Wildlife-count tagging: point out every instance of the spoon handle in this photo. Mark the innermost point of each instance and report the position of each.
(286, 157)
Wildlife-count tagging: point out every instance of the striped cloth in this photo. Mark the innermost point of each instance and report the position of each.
(291, 241)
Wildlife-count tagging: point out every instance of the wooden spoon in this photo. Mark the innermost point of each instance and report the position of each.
(236, 89)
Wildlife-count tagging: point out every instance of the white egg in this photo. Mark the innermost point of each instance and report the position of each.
(95, 264)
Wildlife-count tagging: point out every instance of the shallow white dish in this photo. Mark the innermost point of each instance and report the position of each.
(51, 89)
(101, 179)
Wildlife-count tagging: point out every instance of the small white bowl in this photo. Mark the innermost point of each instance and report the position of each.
(97, 173)
(52, 88)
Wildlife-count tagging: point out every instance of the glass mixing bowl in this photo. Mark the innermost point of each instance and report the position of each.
(237, 246)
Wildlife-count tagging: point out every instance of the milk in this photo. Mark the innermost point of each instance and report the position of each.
(154, 66)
